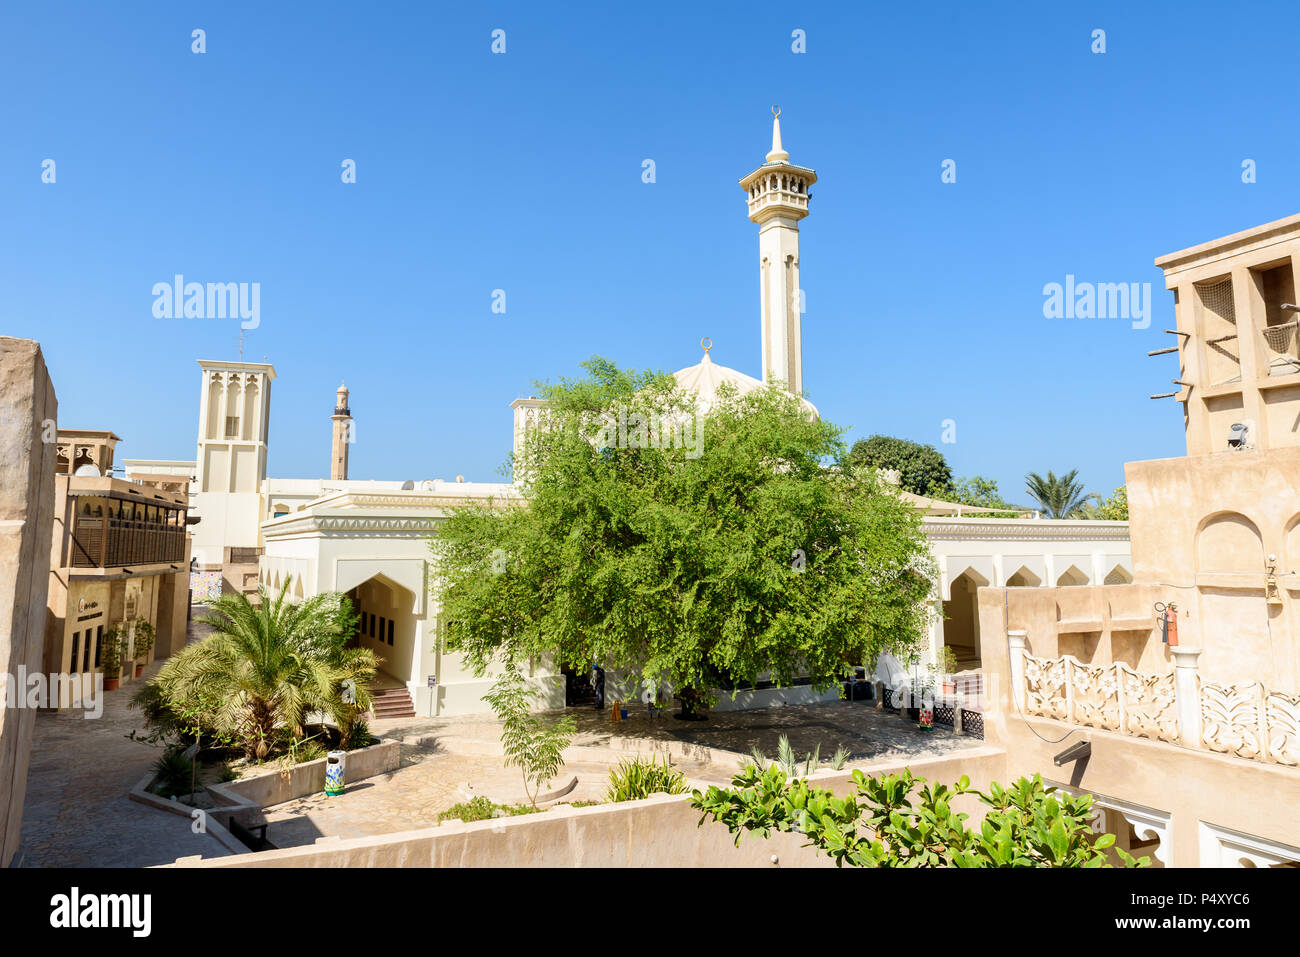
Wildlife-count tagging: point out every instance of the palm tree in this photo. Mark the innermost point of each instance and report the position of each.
(269, 664)
(1061, 497)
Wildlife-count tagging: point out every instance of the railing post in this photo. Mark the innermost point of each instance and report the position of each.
(1187, 695)
(1016, 638)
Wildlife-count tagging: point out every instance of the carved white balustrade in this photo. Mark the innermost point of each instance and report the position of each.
(1250, 721)
(1244, 719)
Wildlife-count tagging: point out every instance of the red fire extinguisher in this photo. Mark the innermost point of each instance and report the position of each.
(1168, 622)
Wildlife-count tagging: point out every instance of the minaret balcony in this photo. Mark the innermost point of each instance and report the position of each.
(779, 197)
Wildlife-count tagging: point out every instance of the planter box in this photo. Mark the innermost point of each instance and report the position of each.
(273, 784)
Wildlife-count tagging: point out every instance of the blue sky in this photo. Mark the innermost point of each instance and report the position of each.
(522, 172)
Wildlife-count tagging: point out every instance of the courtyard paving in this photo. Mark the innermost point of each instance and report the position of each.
(447, 760)
(77, 813)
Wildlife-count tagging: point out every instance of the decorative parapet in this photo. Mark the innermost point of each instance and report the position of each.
(1179, 707)
(1250, 721)
(1112, 697)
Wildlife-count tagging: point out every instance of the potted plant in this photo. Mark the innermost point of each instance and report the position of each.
(946, 668)
(144, 637)
(110, 656)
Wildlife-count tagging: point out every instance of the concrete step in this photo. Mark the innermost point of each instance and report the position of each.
(392, 703)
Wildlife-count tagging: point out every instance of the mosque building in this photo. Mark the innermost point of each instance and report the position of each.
(368, 539)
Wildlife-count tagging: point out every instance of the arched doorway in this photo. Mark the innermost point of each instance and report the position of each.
(388, 626)
(961, 625)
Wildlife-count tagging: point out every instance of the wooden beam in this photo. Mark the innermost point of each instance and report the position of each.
(1161, 352)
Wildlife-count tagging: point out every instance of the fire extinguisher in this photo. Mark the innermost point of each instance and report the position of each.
(1168, 623)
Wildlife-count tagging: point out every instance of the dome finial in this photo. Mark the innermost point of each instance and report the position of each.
(706, 344)
(778, 153)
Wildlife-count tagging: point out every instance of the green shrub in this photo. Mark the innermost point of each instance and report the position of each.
(173, 773)
(531, 743)
(355, 736)
(1027, 824)
(144, 639)
(640, 777)
(789, 762)
(308, 751)
(483, 809)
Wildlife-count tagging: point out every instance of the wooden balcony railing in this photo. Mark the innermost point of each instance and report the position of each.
(115, 542)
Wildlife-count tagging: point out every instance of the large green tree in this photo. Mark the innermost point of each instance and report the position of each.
(979, 491)
(922, 468)
(732, 551)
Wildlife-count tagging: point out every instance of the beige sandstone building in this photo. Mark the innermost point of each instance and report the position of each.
(29, 410)
(1195, 744)
(119, 556)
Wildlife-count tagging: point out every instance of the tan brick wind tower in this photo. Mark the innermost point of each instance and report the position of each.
(778, 198)
(342, 419)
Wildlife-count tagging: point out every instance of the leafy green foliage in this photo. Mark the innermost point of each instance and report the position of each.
(696, 572)
(640, 777)
(531, 743)
(1113, 509)
(302, 750)
(1027, 825)
(1058, 497)
(356, 736)
(922, 469)
(947, 663)
(788, 761)
(264, 667)
(174, 773)
(144, 639)
(978, 491)
(481, 809)
(111, 649)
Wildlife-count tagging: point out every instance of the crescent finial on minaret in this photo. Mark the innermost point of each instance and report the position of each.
(778, 153)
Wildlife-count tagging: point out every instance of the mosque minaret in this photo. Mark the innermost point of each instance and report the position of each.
(342, 419)
(778, 198)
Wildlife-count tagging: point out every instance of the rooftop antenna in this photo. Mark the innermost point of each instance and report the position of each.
(239, 341)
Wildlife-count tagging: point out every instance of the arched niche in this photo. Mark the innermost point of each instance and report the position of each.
(1119, 575)
(1229, 542)
(1022, 577)
(1072, 576)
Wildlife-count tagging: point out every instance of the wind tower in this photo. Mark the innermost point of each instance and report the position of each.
(778, 195)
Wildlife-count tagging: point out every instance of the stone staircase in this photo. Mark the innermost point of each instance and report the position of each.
(392, 703)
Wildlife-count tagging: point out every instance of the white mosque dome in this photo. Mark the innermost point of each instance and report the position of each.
(704, 379)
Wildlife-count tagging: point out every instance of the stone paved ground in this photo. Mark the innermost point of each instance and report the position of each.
(433, 773)
(867, 734)
(77, 813)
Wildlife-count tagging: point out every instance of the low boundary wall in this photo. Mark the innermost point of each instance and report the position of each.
(660, 831)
